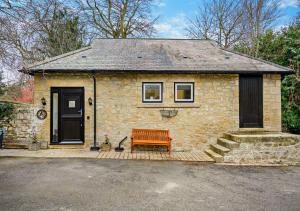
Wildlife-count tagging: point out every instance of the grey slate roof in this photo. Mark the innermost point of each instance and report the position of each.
(156, 55)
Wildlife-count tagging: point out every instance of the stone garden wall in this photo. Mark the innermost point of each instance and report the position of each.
(20, 130)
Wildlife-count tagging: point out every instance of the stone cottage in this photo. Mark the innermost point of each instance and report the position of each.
(115, 85)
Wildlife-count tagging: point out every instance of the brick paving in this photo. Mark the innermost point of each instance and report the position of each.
(152, 155)
(86, 153)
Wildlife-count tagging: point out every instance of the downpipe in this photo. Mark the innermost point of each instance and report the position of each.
(95, 148)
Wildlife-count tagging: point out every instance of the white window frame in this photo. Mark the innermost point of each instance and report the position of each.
(191, 84)
(160, 92)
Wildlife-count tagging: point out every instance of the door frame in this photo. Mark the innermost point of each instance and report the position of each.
(261, 106)
(58, 90)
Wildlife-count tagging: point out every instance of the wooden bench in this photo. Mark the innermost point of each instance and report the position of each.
(151, 137)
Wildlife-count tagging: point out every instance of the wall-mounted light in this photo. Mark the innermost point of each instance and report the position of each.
(90, 100)
(43, 101)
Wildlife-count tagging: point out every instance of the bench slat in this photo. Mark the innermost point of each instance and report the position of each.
(151, 137)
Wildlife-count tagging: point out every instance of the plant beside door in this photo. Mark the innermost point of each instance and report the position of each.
(7, 115)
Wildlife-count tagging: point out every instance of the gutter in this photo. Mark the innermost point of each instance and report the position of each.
(111, 71)
(95, 148)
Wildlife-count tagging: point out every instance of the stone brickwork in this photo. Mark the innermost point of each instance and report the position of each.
(120, 107)
(272, 102)
(215, 109)
(270, 148)
(20, 130)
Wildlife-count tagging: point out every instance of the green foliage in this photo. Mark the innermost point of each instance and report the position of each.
(2, 85)
(291, 103)
(7, 114)
(289, 55)
(283, 47)
(64, 34)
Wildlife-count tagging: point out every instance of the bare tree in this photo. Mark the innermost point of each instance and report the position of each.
(120, 18)
(22, 24)
(220, 20)
(201, 26)
(28, 27)
(259, 16)
(298, 14)
(231, 22)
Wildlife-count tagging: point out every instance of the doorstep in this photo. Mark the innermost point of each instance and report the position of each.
(85, 153)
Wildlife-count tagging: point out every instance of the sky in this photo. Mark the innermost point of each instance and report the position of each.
(174, 13)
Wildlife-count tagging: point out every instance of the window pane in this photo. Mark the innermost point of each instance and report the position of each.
(152, 92)
(184, 92)
(55, 118)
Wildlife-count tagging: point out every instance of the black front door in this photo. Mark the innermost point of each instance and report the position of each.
(251, 101)
(67, 121)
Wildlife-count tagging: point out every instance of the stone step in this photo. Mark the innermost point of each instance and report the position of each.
(217, 157)
(258, 136)
(219, 149)
(229, 136)
(228, 143)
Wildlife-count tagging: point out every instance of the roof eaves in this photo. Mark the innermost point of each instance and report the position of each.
(157, 71)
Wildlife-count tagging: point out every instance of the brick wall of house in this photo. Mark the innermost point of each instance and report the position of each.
(119, 106)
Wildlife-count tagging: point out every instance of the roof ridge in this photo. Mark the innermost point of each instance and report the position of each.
(51, 59)
(257, 59)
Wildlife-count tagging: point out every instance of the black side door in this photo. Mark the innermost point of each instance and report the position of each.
(251, 101)
(70, 116)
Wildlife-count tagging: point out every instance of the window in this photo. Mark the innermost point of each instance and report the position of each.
(54, 102)
(152, 92)
(184, 92)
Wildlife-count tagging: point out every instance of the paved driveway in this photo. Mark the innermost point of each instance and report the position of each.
(91, 184)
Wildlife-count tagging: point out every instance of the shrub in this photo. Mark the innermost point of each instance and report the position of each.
(291, 104)
(7, 114)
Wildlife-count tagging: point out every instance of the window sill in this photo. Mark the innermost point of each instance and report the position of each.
(68, 143)
(178, 105)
